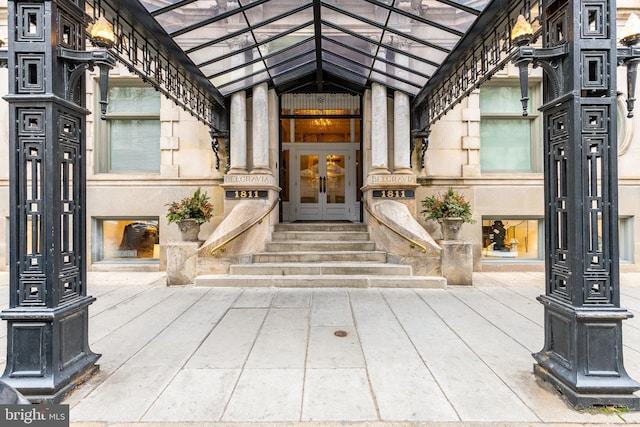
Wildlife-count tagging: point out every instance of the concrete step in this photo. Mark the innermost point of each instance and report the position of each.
(320, 268)
(323, 256)
(331, 227)
(280, 236)
(320, 245)
(322, 281)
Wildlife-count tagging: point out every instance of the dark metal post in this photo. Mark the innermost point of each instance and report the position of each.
(582, 354)
(47, 342)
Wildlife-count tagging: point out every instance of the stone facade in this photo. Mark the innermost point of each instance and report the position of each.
(453, 159)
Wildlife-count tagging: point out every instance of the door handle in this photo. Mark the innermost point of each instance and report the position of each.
(324, 184)
(320, 185)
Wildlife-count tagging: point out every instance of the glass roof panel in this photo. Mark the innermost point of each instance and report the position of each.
(360, 42)
(362, 9)
(283, 55)
(442, 14)
(213, 31)
(243, 84)
(352, 24)
(358, 79)
(417, 49)
(354, 66)
(153, 5)
(275, 8)
(359, 56)
(476, 4)
(277, 44)
(395, 83)
(290, 65)
(230, 62)
(239, 73)
(193, 13)
(238, 43)
(400, 73)
(294, 74)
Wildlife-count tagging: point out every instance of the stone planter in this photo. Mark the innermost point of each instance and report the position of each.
(451, 228)
(189, 228)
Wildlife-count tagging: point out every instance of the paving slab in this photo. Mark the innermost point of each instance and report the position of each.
(331, 307)
(229, 344)
(404, 387)
(328, 348)
(338, 394)
(255, 298)
(510, 360)
(130, 391)
(282, 341)
(194, 395)
(267, 395)
(477, 393)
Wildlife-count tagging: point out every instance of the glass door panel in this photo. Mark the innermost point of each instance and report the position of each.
(335, 178)
(309, 179)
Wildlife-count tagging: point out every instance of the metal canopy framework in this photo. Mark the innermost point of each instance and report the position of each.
(199, 52)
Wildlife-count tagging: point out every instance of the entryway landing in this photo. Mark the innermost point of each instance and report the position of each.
(321, 254)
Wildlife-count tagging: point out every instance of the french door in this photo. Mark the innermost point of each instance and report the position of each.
(323, 184)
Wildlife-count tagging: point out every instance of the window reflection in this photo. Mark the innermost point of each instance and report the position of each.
(127, 239)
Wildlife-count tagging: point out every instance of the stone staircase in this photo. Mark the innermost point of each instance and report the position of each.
(320, 255)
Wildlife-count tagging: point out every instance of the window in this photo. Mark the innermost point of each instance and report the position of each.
(130, 138)
(509, 142)
(126, 239)
(512, 238)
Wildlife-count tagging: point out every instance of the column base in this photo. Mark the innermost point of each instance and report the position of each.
(237, 171)
(582, 355)
(260, 171)
(378, 170)
(586, 400)
(403, 171)
(47, 350)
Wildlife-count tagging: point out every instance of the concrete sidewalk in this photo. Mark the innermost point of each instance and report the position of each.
(276, 357)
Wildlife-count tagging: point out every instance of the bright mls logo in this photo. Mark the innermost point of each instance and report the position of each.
(34, 415)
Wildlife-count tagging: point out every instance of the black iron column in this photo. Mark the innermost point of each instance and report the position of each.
(582, 354)
(47, 345)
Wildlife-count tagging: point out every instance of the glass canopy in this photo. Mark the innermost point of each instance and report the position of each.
(296, 43)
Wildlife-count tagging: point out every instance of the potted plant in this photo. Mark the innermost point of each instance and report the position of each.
(451, 210)
(189, 213)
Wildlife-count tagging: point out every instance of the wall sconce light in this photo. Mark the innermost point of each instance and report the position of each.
(630, 57)
(547, 58)
(103, 37)
(216, 136)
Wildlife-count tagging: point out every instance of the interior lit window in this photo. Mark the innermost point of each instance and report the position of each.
(126, 239)
(512, 238)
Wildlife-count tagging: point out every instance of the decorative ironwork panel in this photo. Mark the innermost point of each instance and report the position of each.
(33, 180)
(134, 49)
(597, 289)
(593, 74)
(594, 14)
(487, 55)
(594, 180)
(32, 292)
(30, 25)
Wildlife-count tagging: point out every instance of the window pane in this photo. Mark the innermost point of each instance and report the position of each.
(126, 239)
(134, 145)
(137, 100)
(504, 239)
(501, 100)
(505, 145)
